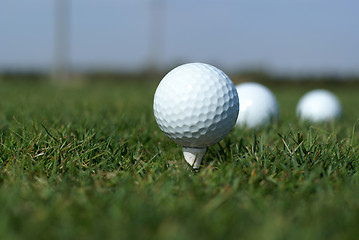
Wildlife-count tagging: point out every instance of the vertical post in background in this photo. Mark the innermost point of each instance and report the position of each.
(156, 42)
(61, 41)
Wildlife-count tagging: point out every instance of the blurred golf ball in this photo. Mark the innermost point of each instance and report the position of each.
(319, 106)
(196, 105)
(258, 105)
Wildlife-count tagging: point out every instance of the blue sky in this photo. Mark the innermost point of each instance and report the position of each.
(297, 36)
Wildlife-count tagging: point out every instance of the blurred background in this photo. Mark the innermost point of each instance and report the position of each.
(77, 39)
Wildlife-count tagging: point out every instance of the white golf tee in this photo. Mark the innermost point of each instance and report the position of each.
(193, 156)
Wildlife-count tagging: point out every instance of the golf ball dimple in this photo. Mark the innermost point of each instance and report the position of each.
(196, 105)
(258, 105)
(319, 106)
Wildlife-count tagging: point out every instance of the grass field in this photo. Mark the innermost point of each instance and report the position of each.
(89, 162)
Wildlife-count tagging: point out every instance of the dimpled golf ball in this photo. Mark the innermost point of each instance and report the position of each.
(258, 105)
(319, 106)
(196, 105)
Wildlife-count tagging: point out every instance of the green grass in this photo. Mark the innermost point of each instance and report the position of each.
(89, 162)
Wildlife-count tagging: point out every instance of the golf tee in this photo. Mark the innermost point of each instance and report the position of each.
(194, 156)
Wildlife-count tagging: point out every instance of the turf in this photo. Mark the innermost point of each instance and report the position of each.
(89, 162)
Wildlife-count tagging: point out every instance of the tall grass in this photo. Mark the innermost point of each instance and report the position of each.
(89, 162)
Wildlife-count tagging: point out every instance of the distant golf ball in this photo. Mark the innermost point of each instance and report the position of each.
(319, 106)
(258, 105)
(196, 105)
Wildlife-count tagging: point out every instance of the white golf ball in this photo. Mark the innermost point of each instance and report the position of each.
(196, 105)
(319, 106)
(258, 105)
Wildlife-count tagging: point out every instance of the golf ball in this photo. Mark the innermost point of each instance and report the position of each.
(258, 105)
(319, 106)
(196, 105)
